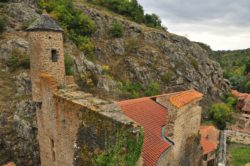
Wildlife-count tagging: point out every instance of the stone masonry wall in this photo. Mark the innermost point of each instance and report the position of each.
(46, 120)
(187, 125)
(41, 45)
(67, 124)
(184, 125)
(74, 127)
(238, 137)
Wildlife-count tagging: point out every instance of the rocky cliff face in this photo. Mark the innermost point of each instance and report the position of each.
(18, 128)
(142, 55)
(148, 55)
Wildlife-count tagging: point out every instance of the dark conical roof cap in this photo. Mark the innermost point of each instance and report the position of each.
(44, 23)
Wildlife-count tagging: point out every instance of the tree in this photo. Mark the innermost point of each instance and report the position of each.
(152, 20)
(221, 113)
(247, 87)
(247, 70)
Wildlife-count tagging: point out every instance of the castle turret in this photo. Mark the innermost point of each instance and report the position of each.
(46, 52)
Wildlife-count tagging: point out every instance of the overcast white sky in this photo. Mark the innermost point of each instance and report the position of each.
(222, 24)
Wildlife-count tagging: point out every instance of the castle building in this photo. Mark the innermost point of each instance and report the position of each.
(76, 128)
(171, 123)
(46, 52)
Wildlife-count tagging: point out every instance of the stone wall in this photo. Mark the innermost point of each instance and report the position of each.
(41, 45)
(183, 125)
(46, 120)
(238, 137)
(187, 125)
(74, 128)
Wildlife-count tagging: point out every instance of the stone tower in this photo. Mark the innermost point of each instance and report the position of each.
(46, 52)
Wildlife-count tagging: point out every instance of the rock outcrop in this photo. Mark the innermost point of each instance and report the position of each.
(144, 55)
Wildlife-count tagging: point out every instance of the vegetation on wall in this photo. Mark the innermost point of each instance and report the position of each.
(125, 152)
(132, 9)
(77, 26)
(236, 67)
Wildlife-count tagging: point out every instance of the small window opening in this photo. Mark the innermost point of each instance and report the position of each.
(205, 157)
(54, 55)
(52, 144)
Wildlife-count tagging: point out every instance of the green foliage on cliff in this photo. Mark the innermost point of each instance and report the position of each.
(125, 152)
(18, 60)
(69, 62)
(2, 24)
(117, 29)
(221, 113)
(152, 20)
(134, 89)
(236, 66)
(77, 26)
(130, 8)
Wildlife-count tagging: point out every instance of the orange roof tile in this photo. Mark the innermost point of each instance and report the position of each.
(184, 98)
(244, 97)
(209, 138)
(246, 107)
(238, 94)
(9, 164)
(152, 116)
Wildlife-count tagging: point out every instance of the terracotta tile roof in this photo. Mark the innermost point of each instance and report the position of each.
(9, 164)
(152, 116)
(246, 107)
(186, 97)
(238, 94)
(245, 97)
(209, 138)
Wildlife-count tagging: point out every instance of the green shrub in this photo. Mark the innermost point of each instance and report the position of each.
(152, 89)
(152, 20)
(131, 9)
(247, 87)
(115, 154)
(231, 101)
(247, 69)
(167, 77)
(77, 26)
(105, 69)
(117, 29)
(18, 59)
(85, 45)
(135, 89)
(2, 24)
(236, 66)
(221, 113)
(194, 63)
(132, 89)
(69, 62)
